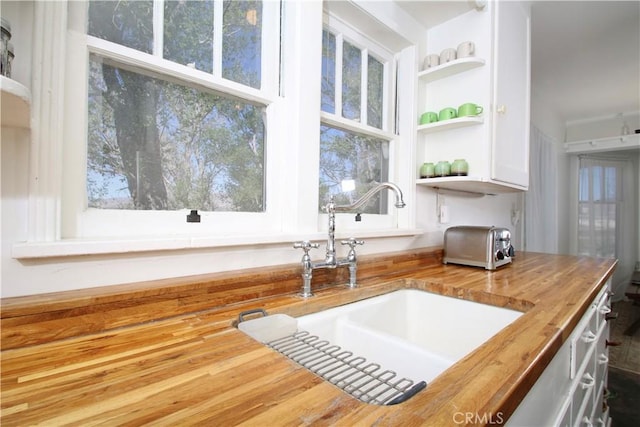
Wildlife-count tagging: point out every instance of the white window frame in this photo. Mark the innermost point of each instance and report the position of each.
(79, 221)
(344, 32)
(293, 140)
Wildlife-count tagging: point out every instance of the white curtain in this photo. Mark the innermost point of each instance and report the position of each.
(606, 214)
(541, 232)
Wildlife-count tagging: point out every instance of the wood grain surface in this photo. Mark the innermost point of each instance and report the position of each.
(196, 368)
(47, 317)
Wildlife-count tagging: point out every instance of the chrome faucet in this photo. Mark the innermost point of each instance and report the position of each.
(331, 260)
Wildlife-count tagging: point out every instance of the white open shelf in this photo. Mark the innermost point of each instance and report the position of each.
(450, 68)
(469, 185)
(451, 124)
(622, 142)
(16, 103)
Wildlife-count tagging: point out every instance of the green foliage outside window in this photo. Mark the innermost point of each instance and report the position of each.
(158, 145)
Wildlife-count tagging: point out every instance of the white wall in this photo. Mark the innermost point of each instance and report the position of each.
(487, 210)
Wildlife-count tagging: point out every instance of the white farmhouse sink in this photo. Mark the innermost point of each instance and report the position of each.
(414, 333)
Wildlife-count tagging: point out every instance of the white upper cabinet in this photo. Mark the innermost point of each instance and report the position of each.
(495, 143)
(511, 79)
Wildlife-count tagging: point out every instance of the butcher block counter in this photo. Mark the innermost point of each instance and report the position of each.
(197, 368)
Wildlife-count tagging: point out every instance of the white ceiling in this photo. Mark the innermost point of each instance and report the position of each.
(433, 12)
(585, 54)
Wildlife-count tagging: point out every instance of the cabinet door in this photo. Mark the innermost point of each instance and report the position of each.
(512, 62)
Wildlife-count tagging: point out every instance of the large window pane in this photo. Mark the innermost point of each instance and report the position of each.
(328, 95)
(188, 33)
(242, 39)
(375, 87)
(349, 161)
(159, 145)
(129, 23)
(351, 81)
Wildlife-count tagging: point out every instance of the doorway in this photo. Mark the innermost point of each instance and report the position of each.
(606, 211)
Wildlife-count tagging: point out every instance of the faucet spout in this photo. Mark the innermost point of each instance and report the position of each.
(369, 194)
(331, 260)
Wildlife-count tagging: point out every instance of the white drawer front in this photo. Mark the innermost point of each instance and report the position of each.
(583, 342)
(582, 402)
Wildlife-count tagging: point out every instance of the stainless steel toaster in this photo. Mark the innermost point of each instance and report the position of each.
(488, 247)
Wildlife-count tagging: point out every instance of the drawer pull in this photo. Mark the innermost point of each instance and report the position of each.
(588, 337)
(603, 359)
(587, 381)
(613, 343)
(611, 316)
(604, 309)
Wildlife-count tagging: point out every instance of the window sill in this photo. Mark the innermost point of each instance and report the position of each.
(71, 247)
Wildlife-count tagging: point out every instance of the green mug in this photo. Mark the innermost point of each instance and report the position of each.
(447, 113)
(428, 117)
(469, 109)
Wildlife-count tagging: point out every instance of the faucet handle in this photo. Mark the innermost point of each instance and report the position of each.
(305, 245)
(352, 242)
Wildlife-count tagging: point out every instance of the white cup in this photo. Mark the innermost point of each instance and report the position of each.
(447, 55)
(466, 49)
(432, 60)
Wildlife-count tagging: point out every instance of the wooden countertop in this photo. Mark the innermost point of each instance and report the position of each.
(198, 369)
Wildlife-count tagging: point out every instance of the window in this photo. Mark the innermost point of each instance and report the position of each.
(599, 197)
(355, 143)
(607, 211)
(155, 144)
(177, 100)
(82, 200)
